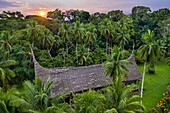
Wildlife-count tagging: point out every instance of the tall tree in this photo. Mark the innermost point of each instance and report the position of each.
(149, 51)
(140, 9)
(164, 33)
(78, 15)
(82, 56)
(106, 30)
(91, 36)
(33, 31)
(116, 15)
(125, 30)
(12, 15)
(142, 21)
(46, 38)
(56, 15)
(64, 32)
(97, 17)
(78, 34)
(160, 15)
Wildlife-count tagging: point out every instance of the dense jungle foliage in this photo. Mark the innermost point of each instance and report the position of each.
(78, 38)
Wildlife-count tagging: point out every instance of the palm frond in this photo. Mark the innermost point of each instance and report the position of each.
(8, 63)
(113, 110)
(134, 98)
(3, 108)
(135, 105)
(22, 104)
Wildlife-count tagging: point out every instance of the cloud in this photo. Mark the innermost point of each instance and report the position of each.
(6, 4)
(33, 6)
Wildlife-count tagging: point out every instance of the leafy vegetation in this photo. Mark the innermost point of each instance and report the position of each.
(82, 39)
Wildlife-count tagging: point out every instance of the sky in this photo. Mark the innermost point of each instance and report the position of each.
(29, 7)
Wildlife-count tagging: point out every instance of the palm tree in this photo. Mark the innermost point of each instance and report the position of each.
(64, 32)
(91, 36)
(5, 73)
(78, 33)
(33, 31)
(124, 31)
(106, 30)
(82, 56)
(5, 40)
(89, 102)
(119, 98)
(47, 38)
(117, 65)
(37, 97)
(149, 51)
(63, 54)
(34, 96)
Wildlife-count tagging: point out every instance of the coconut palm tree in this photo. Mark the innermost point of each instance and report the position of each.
(33, 31)
(117, 65)
(149, 51)
(82, 56)
(6, 42)
(91, 36)
(46, 38)
(106, 30)
(36, 97)
(89, 102)
(78, 34)
(5, 73)
(64, 32)
(120, 99)
(125, 30)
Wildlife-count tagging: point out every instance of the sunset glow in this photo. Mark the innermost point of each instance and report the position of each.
(32, 7)
(42, 13)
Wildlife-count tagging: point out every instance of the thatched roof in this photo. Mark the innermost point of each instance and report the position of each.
(75, 79)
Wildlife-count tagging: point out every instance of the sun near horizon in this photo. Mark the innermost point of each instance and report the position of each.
(42, 13)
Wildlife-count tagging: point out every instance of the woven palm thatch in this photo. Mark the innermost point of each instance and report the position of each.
(75, 79)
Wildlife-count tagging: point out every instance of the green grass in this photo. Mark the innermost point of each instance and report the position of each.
(155, 84)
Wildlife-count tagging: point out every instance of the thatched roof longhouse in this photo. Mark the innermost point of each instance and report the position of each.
(75, 79)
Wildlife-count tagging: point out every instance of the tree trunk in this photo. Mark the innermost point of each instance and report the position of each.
(67, 49)
(163, 56)
(64, 60)
(76, 54)
(32, 43)
(106, 46)
(111, 46)
(123, 45)
(151, 68)
(88, 51)
(89, 48)
(143, 77)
